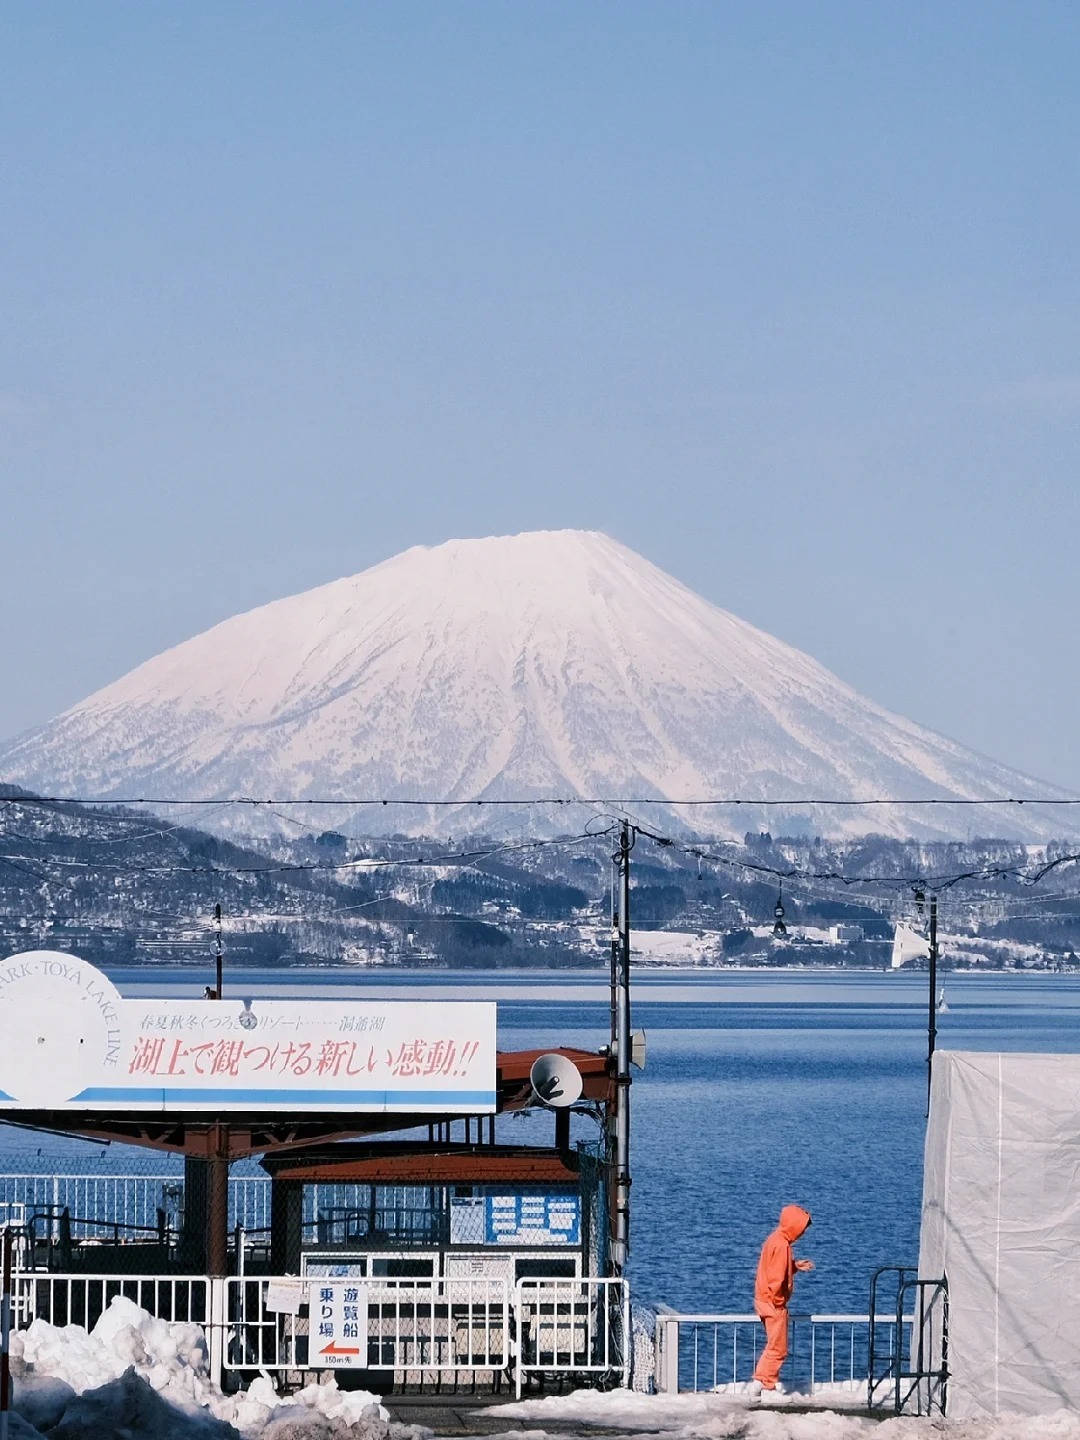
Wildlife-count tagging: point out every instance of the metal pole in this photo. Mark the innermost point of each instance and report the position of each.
(217, 950)
(217, 1239)
(622, 1061)
(931, 1019)
(615, 936)
(5, 1335)
(217, 1247)
(611, 1104)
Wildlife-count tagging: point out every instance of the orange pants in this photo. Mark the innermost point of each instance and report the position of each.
(773, 1356)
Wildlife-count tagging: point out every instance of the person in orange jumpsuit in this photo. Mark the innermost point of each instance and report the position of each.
(773, 1285)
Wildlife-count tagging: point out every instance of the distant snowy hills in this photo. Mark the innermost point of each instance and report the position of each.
(556, 663)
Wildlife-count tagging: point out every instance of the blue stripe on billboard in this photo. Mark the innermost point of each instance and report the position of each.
(301, 1099)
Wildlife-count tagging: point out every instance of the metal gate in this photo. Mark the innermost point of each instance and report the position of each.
(909, 1358)
(417, 1331)
(573, 1327)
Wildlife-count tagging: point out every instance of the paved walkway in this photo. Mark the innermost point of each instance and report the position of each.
(450, 1414)
(463, 1414)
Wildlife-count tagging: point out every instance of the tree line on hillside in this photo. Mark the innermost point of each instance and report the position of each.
(124, 887)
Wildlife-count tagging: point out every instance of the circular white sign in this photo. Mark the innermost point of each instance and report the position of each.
(59, 1021)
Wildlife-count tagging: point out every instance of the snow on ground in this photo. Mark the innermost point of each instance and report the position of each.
(146, 1379)
(724, 1417)
(140, 1378)
(676, 947)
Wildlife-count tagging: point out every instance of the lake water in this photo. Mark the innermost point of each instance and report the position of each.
(760, 1089)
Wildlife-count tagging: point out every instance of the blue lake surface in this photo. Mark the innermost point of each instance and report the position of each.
(760, 1089)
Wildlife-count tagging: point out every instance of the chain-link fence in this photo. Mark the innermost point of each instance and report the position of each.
(121, 1209)
(456, 1279)
(129, 1211)
(594, 1212)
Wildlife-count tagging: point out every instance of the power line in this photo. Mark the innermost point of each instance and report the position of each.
(929, 881)
(15, 865)
(478, 802)
(792, 873)
(360, 864)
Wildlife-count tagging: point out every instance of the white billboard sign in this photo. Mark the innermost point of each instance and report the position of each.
(70, 1041)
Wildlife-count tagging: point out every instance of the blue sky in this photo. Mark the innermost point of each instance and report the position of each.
(785, 296)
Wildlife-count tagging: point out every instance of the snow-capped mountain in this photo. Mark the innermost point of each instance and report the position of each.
(556, 663)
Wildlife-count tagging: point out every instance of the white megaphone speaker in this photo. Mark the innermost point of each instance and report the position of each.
(556, 1081)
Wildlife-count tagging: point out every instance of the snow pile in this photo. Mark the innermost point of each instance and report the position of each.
(724, 1417)
(129, 1407)
(147, 1379)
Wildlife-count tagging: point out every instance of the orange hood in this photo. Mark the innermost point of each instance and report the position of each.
(793, 1222)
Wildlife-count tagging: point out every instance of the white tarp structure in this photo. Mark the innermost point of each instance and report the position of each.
(1001, 1220)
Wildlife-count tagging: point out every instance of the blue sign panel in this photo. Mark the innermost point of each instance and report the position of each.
(532, 1219)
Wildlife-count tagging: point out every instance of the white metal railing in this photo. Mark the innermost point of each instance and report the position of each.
(249, 1201)
(338, 1211)
(413, 1326)
(573, 1326)
(83, 1299)
(128, 1200)
(711, 1351)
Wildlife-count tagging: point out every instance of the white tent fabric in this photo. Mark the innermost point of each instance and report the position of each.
(1001, 1219)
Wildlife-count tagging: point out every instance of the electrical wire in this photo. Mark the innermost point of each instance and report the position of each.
(359, 865)
(931, 882)
(818, 879)
(441, 802)
(15, 865)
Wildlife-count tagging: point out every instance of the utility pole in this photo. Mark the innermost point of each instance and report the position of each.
(217, 951)
(614, 959)
(931, 1018)
(619, 1172)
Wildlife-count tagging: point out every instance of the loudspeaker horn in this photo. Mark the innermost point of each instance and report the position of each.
(556, 1081)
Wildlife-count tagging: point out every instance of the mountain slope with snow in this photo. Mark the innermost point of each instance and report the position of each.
(549, 663)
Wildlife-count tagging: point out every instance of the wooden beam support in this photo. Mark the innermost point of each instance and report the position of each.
(421, 1165)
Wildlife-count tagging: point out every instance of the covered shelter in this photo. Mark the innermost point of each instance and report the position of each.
(346, 1093)
(435, 1151)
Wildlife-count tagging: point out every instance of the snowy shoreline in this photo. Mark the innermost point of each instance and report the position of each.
(134, 1377)
(728, 1417)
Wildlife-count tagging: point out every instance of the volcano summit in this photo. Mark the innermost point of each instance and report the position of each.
(555, 663)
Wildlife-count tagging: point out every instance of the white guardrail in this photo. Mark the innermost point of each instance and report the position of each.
(719, 1352)
(418, 1327)
(573, 1327)
(82, 1299)
(415, 1328)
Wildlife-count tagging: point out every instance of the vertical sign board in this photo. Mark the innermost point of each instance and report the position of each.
(70, 1041)
(339, 1324)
